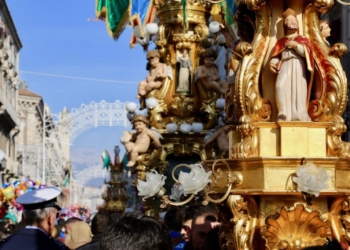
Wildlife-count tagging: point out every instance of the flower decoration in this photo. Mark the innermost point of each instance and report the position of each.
(153, 184)
(194, 181)
(176, 193)
(311, 179)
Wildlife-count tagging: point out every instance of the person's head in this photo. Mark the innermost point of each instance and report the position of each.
(136, 231)
(290, 20)
(70, 222)
(43, 218)
(203, 221)
(208, 56)
(40, 208)
(186, 215)
(185, 53)
(153, 58)
(325, 29)
(79, 234)
(100, 222)
(212, 240)
(172, 220)
(140, 123)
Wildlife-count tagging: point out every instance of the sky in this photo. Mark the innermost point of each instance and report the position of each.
(58, 40)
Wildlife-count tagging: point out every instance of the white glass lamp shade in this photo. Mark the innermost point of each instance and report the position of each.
(151, 28)
(153, 184)
(151, 103)
(221, 39)
(171, 127)
(194, 181)
(197, 127)
(220, 103)
(185, 128)
(131, 107)
(214, 27)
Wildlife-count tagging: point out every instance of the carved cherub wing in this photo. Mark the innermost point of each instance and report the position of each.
(156, 132)
(209, 134)
(126, 137)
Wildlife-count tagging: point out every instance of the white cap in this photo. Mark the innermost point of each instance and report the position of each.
(40, 198)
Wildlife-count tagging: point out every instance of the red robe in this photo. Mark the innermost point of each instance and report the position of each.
(280, 46)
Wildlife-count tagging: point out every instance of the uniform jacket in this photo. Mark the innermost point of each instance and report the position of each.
(29, 239)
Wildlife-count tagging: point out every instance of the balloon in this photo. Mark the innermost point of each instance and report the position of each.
(8, 193)
(22, 186)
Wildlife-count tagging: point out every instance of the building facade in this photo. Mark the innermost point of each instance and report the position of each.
(10, 45)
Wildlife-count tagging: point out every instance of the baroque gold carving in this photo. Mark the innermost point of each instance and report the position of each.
(324, 6)
(182, 106)
(295, 228)
(248, 146)
(244, 224)
(249, 99)
(331, 83)
(336, 147)
(340, 219)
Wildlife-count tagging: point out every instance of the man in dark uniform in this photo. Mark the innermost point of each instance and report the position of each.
(40, 213)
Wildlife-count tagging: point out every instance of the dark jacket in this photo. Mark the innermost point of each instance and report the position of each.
(93, 245)
(29, 239)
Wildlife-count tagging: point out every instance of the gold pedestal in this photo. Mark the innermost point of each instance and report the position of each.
(269, 212)
(288, 139)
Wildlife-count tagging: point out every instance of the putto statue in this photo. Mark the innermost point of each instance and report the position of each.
(208, 73)
(157, 73)
(139, 142)
(291, 59)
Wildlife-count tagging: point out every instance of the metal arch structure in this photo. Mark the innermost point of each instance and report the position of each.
(61, 130)
(90, 173)
(97, 114)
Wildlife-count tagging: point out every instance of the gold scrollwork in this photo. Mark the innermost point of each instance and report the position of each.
(336, 147)
(182, 106)
(340, 219)
(245, 222)
(248, 146)
(330, 82)
(324, 6)
(295, 228)
(255, 4)
(234, 179)
(247, 81)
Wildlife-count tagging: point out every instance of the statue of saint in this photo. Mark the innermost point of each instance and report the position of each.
(138, 142)
(325, 30)
(184, 72)
(157, 73)
(291, 60)
(208, 73)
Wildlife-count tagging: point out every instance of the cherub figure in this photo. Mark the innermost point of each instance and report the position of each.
(157, 72)
(209, 74)
(220, 136)
(325, 30)
(138, 142)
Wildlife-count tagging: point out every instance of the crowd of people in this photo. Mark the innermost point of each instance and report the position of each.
(42, 228)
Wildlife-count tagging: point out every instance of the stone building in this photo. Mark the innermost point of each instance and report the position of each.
(10, 46)
(30, 139)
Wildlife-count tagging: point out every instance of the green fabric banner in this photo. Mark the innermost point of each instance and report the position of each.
(116, 13)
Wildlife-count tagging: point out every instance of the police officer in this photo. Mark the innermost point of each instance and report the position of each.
(40, 213)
